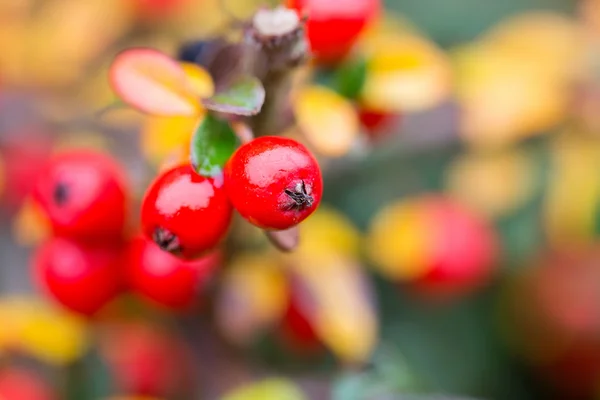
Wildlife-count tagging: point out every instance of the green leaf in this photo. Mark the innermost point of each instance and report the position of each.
(244, 95)
(212, 144)
(350, 78)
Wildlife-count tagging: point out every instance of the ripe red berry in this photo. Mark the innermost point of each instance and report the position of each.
(185, 213)
(165, 279)
(22, 384)
(83, 193)
(147, 360)
(274, 182)
(80, 276)
(297, 331)
(463, 251)
(334, 26)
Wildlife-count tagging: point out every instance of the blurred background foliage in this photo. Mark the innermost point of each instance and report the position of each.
(456, 251)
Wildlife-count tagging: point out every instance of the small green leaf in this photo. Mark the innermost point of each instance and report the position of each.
(350, 78)
(212, 144)
(244, 95)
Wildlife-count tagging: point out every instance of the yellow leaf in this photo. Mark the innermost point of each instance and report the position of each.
(200, 80)
(328, 121)
(399, 242)
(44, 332)
(30, 225)
(329, 231)
(162, 137)
(268, 389)
(59, 42)
(339, 301)
(571, 205)
(553, 40)
(406, 74)
(505, 98)
(253, 296)
(473, 180)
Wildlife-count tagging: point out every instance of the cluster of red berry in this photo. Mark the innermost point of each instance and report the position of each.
(275, 183)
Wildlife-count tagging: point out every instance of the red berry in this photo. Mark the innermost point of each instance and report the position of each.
(297, 331)
(334, 26)
(80, 276)
(377, 124)
(21, 384)
(146, 360)
(463, 252)
(165, 279)
(83, 193)
(23, 162)
(185, 213)
(274, 182)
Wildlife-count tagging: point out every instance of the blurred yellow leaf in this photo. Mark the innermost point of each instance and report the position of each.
(553, 40)
(399, 242)
(164, 137)
(505, 98)
(200, 80)
(44, 332)
(268, 389)
(65, 35)
(337, 299)
(571, 205)
(328, 120)
(329, 231)
(473, 180)
(253, 296)
(30, 225)
(388, 28)
(404, 74)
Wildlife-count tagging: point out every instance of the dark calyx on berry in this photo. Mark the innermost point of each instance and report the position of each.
(166, 240)
(60, 195)
(299, 197)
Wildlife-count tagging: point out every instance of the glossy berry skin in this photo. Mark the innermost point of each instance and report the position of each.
(274, 182)
(165, 279)
(185, 213)
(83, 193)
(334, 26)
(81, 276)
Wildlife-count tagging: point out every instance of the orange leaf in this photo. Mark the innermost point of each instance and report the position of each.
(152, 82)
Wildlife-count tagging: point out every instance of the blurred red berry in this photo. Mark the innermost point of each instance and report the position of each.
(377, 124)
(23, 162)
(334, 26)
(185, 213)
(463, 251)
(274, 182)
(297, 331)
(82, 277)
(83, 193)
(146, 361)
(165, 279)
(21, 384)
